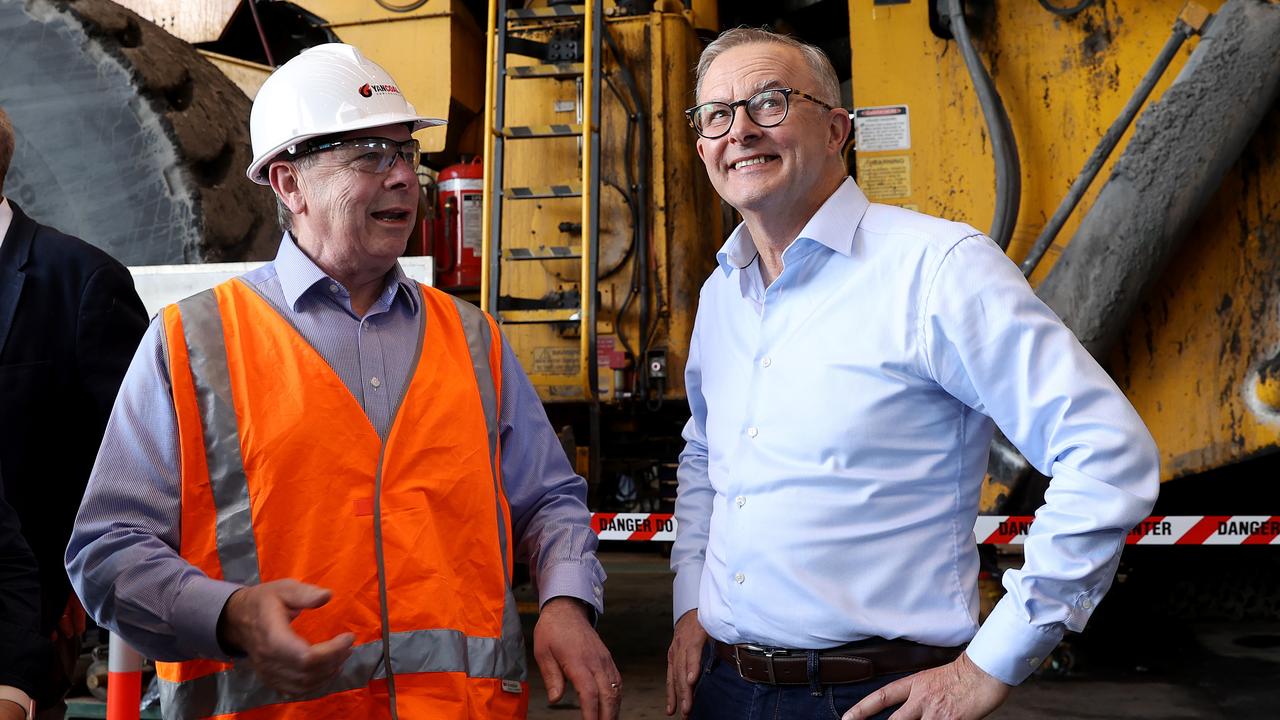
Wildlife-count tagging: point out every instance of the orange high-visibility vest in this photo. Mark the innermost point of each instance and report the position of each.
(283, 476)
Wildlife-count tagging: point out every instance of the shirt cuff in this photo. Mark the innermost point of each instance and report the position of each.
(195, 617)
(579, 580)
(18, 697)
(1008, 647)
(685, 595)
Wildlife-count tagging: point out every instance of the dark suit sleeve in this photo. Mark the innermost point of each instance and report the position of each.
(109, 327)
(24, 655)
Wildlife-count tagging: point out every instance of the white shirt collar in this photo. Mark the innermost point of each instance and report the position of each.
(833, 225)
(6, 217)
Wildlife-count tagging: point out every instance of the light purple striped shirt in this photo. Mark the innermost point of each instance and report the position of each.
(123, 558)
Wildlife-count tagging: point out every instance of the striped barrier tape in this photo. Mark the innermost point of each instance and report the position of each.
(1010, 529)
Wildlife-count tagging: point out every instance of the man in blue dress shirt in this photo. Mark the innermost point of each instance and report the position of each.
(849, 364)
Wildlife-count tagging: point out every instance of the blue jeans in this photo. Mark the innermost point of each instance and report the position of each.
(721, 694)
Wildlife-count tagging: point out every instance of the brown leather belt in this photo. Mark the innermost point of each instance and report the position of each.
(855, 662)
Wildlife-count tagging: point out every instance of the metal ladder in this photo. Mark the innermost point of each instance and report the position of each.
(496, 196)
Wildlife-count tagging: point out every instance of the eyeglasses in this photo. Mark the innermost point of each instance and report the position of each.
(367, 155)
(766, 108)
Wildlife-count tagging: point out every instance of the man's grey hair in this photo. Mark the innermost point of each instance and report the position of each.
(828, 88)
(8, 141)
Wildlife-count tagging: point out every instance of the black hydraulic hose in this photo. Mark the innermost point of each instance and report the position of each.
(1066, 11)
(642, 215)
(1181, 31)
(262, 34)
(1003, 144)
(632, 205)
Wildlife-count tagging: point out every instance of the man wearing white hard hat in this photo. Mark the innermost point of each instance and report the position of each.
(317, 476)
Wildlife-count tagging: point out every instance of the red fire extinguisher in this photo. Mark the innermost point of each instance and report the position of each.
(458, 225)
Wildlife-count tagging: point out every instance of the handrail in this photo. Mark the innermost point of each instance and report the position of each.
(487, 201)
(586, 303)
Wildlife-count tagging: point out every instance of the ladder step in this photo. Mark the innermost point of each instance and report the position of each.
(555, 70)
(523, 132)
(554, 252)
(538, 193)
(528, 317)
(554, 11)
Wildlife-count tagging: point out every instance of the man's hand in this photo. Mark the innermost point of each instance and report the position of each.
(10, 710)
(958, 690)
(683, 662)
(256, 620)
(565, 644)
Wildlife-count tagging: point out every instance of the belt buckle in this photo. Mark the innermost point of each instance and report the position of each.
(769, 654)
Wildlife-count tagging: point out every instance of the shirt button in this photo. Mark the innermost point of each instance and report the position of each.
(333, 287)
(1032, 662)
(740, 501)
(753, 431)
(375, 382)
(739, 578)
(1087, 604)
(766, 362)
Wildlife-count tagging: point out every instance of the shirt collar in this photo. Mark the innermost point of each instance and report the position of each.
(298, 274)
(833, 225)
(6, 217)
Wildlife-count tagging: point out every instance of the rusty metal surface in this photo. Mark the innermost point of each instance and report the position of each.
(1187, 349)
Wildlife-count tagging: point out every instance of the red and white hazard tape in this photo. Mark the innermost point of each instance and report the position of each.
(1011, 529)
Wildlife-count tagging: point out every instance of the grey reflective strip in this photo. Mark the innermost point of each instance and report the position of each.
(207, 351)
(239, 690)
(479, 340)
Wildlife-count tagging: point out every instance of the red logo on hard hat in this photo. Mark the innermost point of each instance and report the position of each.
(368, 90)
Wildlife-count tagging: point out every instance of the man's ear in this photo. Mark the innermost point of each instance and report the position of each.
(287, 184)
(839, 128)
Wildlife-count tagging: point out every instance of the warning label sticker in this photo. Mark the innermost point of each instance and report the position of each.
(472, 205)
(555, 361)
(887, 127)
(885, 178)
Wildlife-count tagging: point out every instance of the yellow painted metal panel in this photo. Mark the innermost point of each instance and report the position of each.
(434, 52)
(247, 76)
(684, 216)
(1190, 358)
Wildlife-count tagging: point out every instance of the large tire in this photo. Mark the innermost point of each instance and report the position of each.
(127, 137)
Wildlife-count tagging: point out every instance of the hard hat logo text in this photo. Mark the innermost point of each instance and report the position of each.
(368, 90)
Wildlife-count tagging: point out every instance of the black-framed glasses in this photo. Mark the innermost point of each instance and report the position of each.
(766, 108)
(369, 155)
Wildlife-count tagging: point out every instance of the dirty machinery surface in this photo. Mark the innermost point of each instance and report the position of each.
(127, 137)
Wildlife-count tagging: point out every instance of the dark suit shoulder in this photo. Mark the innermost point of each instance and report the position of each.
(68, 252)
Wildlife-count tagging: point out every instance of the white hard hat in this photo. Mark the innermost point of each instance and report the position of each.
(327, 89)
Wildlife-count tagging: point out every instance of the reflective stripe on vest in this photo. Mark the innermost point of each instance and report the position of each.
(236, 689)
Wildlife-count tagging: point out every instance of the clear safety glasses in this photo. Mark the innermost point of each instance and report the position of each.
(368, 155)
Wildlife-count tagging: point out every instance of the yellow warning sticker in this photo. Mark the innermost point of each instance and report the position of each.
(885, 177)
(555, 360)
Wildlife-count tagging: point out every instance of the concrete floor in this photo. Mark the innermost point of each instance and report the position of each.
(1123, 669)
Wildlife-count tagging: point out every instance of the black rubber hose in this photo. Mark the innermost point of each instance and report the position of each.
(1105, 146)
(1003, 144)
(642, 215)
(1066, 11)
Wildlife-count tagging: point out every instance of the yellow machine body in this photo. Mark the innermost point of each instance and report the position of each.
(1190, 358)
(433, 50)
(659, 48)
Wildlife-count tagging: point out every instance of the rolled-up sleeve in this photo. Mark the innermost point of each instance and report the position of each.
(996, 347)
(123, 559)
(548, 500)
